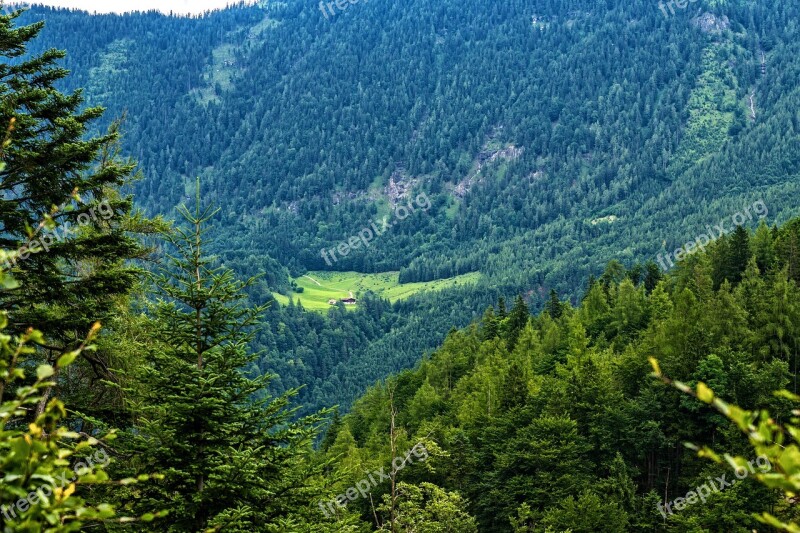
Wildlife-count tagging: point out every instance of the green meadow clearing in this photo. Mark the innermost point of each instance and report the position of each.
(320, 287)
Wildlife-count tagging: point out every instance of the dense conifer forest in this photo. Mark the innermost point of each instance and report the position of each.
(618, 179)
(549, 138)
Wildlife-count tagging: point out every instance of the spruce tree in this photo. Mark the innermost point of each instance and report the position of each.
(720, 260)
(739, 254)
(61, 212)
(764, 248)
(652, 276)
(787, 246)
(516, 321)
(59, 205)
(501, 308)
(489, 325)
(332, 431)
(553, 305)
(232, 456)
(636, 274)
(613, 274)
(515, 388)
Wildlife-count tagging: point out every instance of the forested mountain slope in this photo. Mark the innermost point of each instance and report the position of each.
(550, 137)
(139, 362)
(556, 423)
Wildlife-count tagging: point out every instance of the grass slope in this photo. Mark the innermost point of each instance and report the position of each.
(319, 287)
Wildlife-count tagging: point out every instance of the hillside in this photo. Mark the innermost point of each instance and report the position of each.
(556, 423)
(418, 267)
(549, 141)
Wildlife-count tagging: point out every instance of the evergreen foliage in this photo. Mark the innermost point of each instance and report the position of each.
(635, 130)
(530, 422)
(562, 428)
(232, 458)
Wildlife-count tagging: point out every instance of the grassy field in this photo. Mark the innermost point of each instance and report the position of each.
(319, 287)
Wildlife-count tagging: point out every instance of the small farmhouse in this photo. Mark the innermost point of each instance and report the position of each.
(345, 301)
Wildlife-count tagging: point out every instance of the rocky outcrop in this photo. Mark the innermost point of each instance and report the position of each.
(710, 23)
(485, 157)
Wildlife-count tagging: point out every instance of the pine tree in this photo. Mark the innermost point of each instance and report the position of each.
(739, 255)
(764, 248)
(332, 431)
(553, 305)
(636, 274)
(652, 276)
(489, 325)
(516, 321)
(61, 211)
(59, 205)
(501, 308)
(231, 456)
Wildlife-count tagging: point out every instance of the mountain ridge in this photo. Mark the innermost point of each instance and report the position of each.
(632, 127)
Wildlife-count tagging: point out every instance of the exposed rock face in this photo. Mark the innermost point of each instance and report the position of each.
(485, 157)
(710, 23)
(399, 188)
(510, 153)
